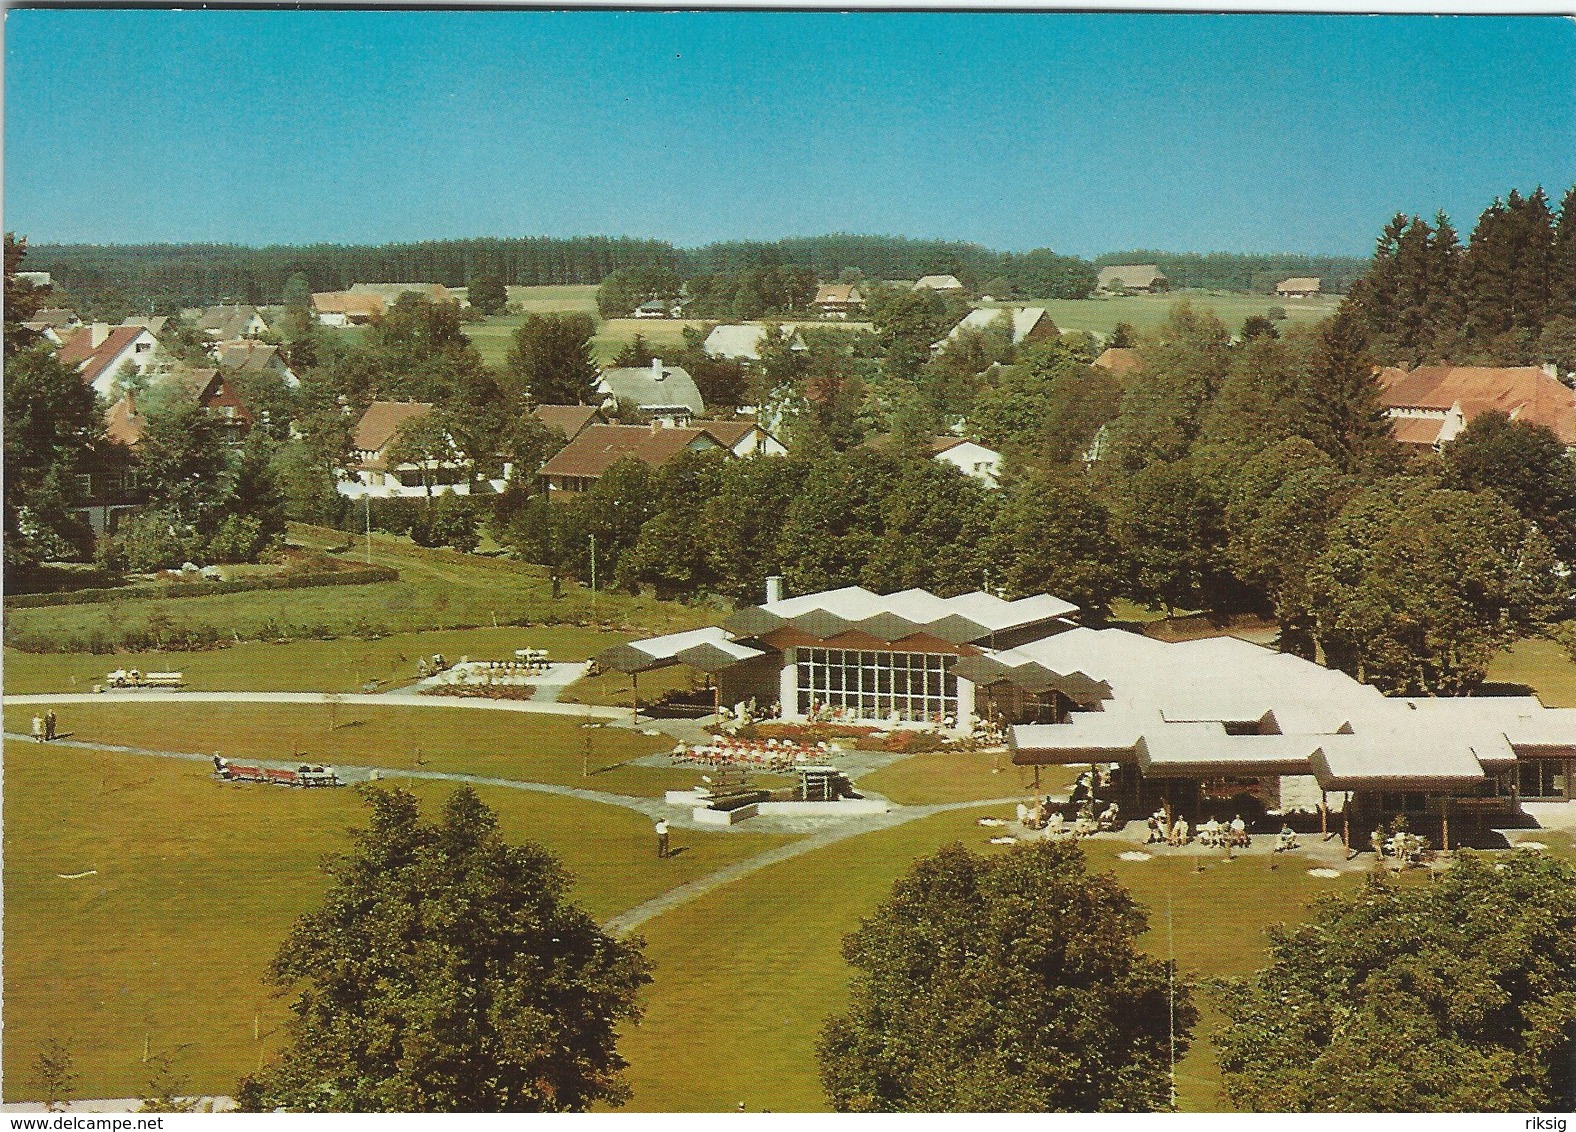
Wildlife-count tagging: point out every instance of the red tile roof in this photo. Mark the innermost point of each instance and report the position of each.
(1523, 393)
(568, 419)
(728, 433)
(80, 352)
(1120, 360)
(382, 420)
(601, 446)
(1421, 431)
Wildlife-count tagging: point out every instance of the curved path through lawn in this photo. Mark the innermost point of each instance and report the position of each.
(852, 826)
(381, 699)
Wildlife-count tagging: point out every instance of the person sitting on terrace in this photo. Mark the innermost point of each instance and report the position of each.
(1108, 818)
(1179, 833)
(1239, 831)
(1209, 833)
(1157, 827)
(1057, 825)
(1287, 839)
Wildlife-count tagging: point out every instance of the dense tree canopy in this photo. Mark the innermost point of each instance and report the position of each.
(448, 971)
(550, 360)
(1009, 983)
(1454, 996)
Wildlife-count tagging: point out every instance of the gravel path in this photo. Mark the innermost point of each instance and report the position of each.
(383, 699)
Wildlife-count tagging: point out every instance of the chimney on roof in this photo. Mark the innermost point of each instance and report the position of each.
(774, 588)
(100, 331)
(1551, 370)
(656, 370)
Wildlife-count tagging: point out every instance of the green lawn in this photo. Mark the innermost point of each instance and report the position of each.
(197, 883)
(436, 591)
(765, 950)
(530, 748)
(1540, 665)
(960, 776)
(1145, 312)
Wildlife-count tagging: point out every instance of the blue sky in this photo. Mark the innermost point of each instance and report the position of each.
(1080, 132)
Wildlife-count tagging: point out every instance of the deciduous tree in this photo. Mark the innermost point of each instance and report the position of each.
(448, 971)
(1010, 983)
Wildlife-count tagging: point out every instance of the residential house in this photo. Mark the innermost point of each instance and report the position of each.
(745, 438)
(346, 308)
(658, 308)
(741, 342)
(839, 300)
(1431, 405)
(55, 324)
(230, 322)
(579, 464)
(249, 356)
(1132, 278)
(209, 389)
(153, 323)
(100, 351)
(970, 457)
(375, 473)
(653, 391)
(1026, 324)
(1119, 360)
(1299, 288)
(571, 420)
(945, 284)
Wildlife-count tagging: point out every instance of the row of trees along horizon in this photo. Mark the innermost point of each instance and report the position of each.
(114, 281)
(962, 984)
(1240, 469)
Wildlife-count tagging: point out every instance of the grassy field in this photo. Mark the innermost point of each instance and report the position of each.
(196, 885)
(766, 950)
(1145, 312)
(962, 776)
(436, 591)
(531, 748)
(1540, 665)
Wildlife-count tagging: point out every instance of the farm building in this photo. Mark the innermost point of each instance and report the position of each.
(945, 284)
(346, 308)
(653, 391)
(390, 293)
(741, 342)
(1181, 723)
(1025, 324)
(229, 322)
(839, 300)
(1301, 288)
(1131, 278)
(1430, 405)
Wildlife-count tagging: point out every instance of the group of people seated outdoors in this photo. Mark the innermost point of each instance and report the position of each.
(1212, 833)
(1404, 847)
(760, 754)
(1089, 815)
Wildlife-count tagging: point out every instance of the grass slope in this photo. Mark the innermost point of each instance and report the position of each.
(198, 883)
(1145, 312)
(765, 952)
(529, 748)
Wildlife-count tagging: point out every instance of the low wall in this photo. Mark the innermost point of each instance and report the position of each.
(704, 815)
(848, 807)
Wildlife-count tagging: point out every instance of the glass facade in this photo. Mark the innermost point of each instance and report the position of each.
(915, 686)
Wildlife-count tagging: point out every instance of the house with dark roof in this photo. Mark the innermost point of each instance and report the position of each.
(228, 322)
(579, 464)
(209, 389)
(1130, 278)
(249, 356)
(653, 391)
(571, 420)
(1431, 405)
(745, 437)
(100, 351)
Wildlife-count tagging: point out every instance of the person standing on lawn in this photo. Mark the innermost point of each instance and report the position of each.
(662, 837)
(38, 729)
(49, 725)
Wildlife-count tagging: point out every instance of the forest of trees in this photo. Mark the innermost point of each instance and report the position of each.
(115, 281)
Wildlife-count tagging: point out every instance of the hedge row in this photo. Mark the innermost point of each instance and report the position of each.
(362, 575)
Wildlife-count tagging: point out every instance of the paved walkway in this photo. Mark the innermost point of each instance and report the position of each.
(383, 699)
